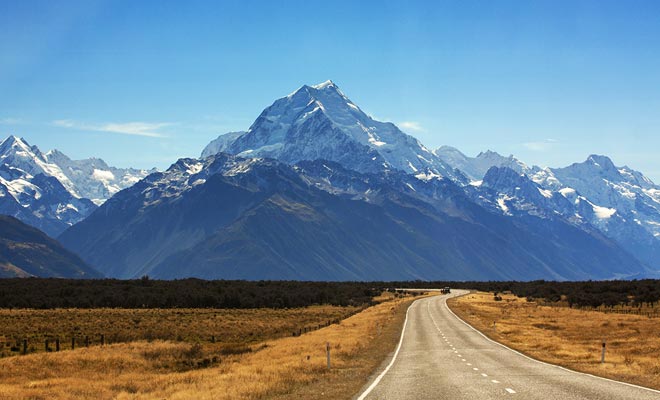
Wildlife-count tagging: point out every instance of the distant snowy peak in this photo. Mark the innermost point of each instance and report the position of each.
(52, 192)
(320, 122)
(36, 191)
(91, 178)
(599, 171)
(628, 192)
(595, 194)
(476, 167)
(18, 153)
(516, 191)
(221, 144)
(602, 167)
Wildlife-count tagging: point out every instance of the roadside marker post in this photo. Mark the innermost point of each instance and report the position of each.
(327, 352)
(602, 355)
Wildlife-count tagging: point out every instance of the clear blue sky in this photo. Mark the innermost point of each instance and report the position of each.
(142, 83)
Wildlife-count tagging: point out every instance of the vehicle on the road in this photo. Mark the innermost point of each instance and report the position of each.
(445, 290)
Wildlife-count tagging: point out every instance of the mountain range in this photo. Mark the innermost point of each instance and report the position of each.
(52, 192)
(620, 202)
(316, 189)
(242, 218)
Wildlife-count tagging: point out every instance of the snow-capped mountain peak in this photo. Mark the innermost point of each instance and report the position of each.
(476, 167)
(51, 191)
(14, 144)
(18, 153)
(326, 84)
(221, 143)
(602, 162)
(321, 122)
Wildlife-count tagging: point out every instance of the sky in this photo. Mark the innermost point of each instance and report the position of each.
(144, 83)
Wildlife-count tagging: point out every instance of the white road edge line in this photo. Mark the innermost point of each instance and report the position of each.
(543, 362)
(396, 353)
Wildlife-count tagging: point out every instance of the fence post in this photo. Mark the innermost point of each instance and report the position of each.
(327, 351)
(602, 355)
(73, 343)
(24, 346)
(102, 340)
(47, 348)
(86, 341)
(57, 344)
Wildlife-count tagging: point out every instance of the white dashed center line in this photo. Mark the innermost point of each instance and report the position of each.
(494, 381)
(510, 390)
(484, 375)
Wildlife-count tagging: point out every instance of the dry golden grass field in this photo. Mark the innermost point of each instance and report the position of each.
(569, 337)
(278, 367)
(223, 326)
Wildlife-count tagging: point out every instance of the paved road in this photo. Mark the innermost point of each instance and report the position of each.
(440, 357)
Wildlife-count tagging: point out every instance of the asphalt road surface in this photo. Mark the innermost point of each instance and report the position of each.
(441, 357)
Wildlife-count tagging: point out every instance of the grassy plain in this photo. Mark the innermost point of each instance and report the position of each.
(277, 368)
(227, 326)
(570, 337)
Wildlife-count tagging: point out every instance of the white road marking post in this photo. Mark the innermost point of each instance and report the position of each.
(602, 355)
(327, 351)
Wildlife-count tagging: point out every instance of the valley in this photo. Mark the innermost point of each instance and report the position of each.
(329, 200)
(254, 356)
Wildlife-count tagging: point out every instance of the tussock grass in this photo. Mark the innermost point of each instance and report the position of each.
(570, 337)
(226, 327)
(286, 367)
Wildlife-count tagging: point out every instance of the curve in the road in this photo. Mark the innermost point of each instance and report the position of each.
(546, 363)
(441, 356)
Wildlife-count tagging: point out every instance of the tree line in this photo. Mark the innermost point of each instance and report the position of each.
(45, 293)
(48, 293)
(577, 294)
